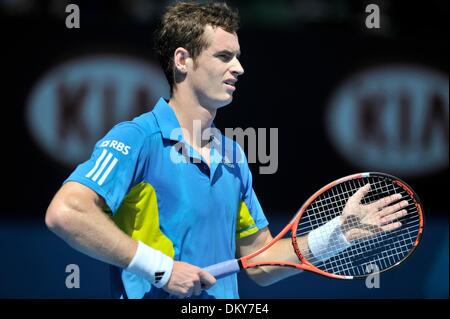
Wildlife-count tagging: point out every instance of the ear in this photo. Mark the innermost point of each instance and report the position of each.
(180, 58)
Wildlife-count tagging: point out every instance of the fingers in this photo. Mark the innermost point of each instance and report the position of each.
(385, 201)
(187, 280)
(391, 227)
(360, 193)
(393, 208)
(197, 290)
(189, 288)
(382, 215)
(207, 280)
(186, 294)
(392, 217)
(203, 281)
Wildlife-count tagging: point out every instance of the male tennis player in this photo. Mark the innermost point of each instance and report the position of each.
(158, 202)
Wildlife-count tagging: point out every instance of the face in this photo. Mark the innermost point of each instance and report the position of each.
(214, 74)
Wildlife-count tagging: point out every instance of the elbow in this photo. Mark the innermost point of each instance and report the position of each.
(55, 218)
(59, 217)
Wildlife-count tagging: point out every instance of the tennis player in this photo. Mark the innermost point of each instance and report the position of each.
(159, 199)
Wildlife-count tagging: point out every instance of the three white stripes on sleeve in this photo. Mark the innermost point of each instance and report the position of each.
(99, 167)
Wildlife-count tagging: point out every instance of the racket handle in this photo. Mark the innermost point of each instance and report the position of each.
(224, 268)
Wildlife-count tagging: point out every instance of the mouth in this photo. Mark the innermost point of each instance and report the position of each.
(231, 84)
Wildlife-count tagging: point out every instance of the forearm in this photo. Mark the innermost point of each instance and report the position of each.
(85, 227)
(281, 251)
(320, 244)
(95, 235)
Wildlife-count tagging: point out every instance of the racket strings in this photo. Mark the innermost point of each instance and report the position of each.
(387, 254)
(321, 212)
(392, 255)
(334, 205)
(370, 243)
(380, 251)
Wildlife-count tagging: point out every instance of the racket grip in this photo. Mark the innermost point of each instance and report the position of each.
(224, 268)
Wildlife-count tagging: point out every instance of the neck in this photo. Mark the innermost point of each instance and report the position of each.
(192, 116)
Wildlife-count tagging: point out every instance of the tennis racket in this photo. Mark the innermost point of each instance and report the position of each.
(383, 224)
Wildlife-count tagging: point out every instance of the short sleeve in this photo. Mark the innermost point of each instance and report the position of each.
(115, 165)
(251, 216)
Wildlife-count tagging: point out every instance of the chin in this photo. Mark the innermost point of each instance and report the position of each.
(227, 100)
(219, 102)
(225, 103)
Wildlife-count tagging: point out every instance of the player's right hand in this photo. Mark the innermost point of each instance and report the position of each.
(187, 280)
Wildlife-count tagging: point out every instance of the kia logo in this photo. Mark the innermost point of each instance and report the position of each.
(75, 104)
(393, 119)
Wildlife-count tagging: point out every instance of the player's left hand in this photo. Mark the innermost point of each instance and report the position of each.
(362, 221)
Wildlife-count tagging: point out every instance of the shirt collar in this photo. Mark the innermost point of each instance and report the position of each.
(171, 129)
(167, 121)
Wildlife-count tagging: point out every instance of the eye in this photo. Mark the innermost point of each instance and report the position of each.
(225, 57)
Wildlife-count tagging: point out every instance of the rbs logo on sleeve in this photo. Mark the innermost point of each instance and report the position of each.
(119, 146)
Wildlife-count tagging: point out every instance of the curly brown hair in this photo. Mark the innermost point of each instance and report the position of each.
(183, 25)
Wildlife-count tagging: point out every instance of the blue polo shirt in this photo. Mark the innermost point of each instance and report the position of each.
(160, 191)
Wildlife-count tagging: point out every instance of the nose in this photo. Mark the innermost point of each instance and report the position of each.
(237, 68)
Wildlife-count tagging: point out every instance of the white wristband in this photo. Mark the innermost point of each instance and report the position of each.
(327, 240)
(151, 264)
